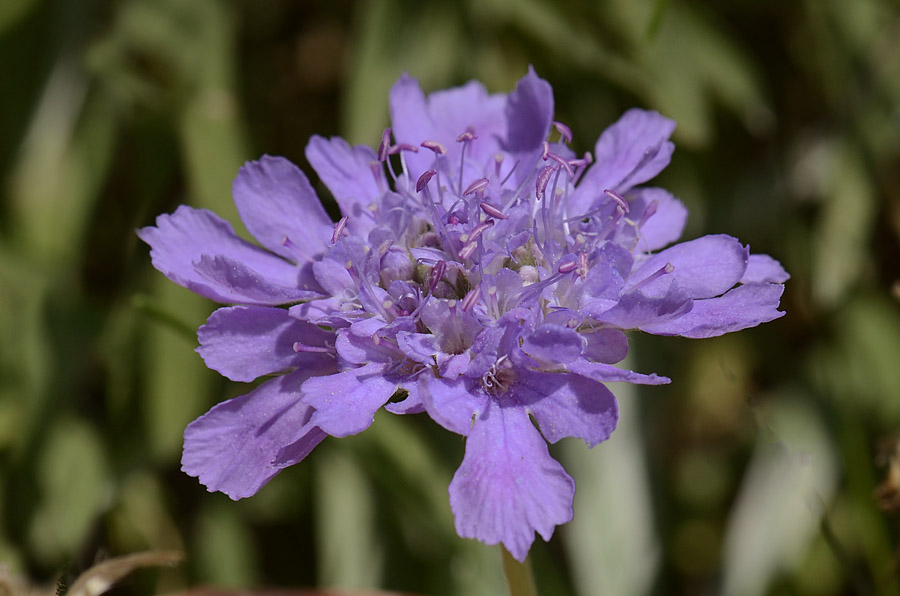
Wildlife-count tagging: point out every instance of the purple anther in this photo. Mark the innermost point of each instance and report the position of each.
(617, 198)
(468, 250)
(564, 131)
(545, 150)
(493, 210)
(563, 162)
(582, 261)
(649, 212)
(384, 145)
(338, 230)
(567, 267)
(477, 187)
(424, 179)
(437, 273)
(543, 178)
(478, 230)
(469, 301)
(434, 146)
(395, 149)
(300, 348)
(467, 136)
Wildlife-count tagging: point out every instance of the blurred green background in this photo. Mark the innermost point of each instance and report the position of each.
(770, 465)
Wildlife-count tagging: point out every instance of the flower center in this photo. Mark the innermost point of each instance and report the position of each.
(499, 378)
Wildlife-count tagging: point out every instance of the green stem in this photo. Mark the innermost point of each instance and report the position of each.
(518, 575)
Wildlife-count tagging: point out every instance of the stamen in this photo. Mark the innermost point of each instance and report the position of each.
(424, 179)
(477, 186)
(338, 230)
(395, 149)
(498, 162)
(617, 198)
(564, 131)
(434, 146)
(468, 250)
(437, 273)
(469, 301)
(582, 269)
(545, 150)
(301, 348)
(492, 210)
(464, 138)
(384, 145)
(542, 180)
(563, 162)
(567, 267)
(666, 269)
(478, 230)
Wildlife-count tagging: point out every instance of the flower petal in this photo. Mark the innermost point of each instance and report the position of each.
(244, 343)
(567, 405)
(744, 306)
(237, 283)
(508, 486)
(553, 343)
(764, 269)
(606, 373)
(631, 151)
(180, 240)
(705, 267)
(232, 447)
(348, 174)
(636, 309)
(606, 345)
(454, 404)
(442, 117)
(346, 402)
(281, 209)
(529, 113)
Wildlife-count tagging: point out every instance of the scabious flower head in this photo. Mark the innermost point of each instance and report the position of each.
(482, 272)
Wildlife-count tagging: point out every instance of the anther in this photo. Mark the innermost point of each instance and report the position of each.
(567, 267)
(582, 269)
(469, 301)
(300, 348)
(478, 230)
(437, 273)
(564, 131)
(384, 145)
(465, 137)
(434, 146)
(424, 179)
(492, 210)
(477, 187)
(395, 149)
(543, 178)
(338, 230)
(618, 199)
(563, 162)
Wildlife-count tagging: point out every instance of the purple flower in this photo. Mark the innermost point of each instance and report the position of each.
(480, 272)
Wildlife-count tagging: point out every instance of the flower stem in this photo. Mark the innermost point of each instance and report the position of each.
(518, 575)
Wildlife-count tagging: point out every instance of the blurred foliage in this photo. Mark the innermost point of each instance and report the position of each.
(754, 473)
